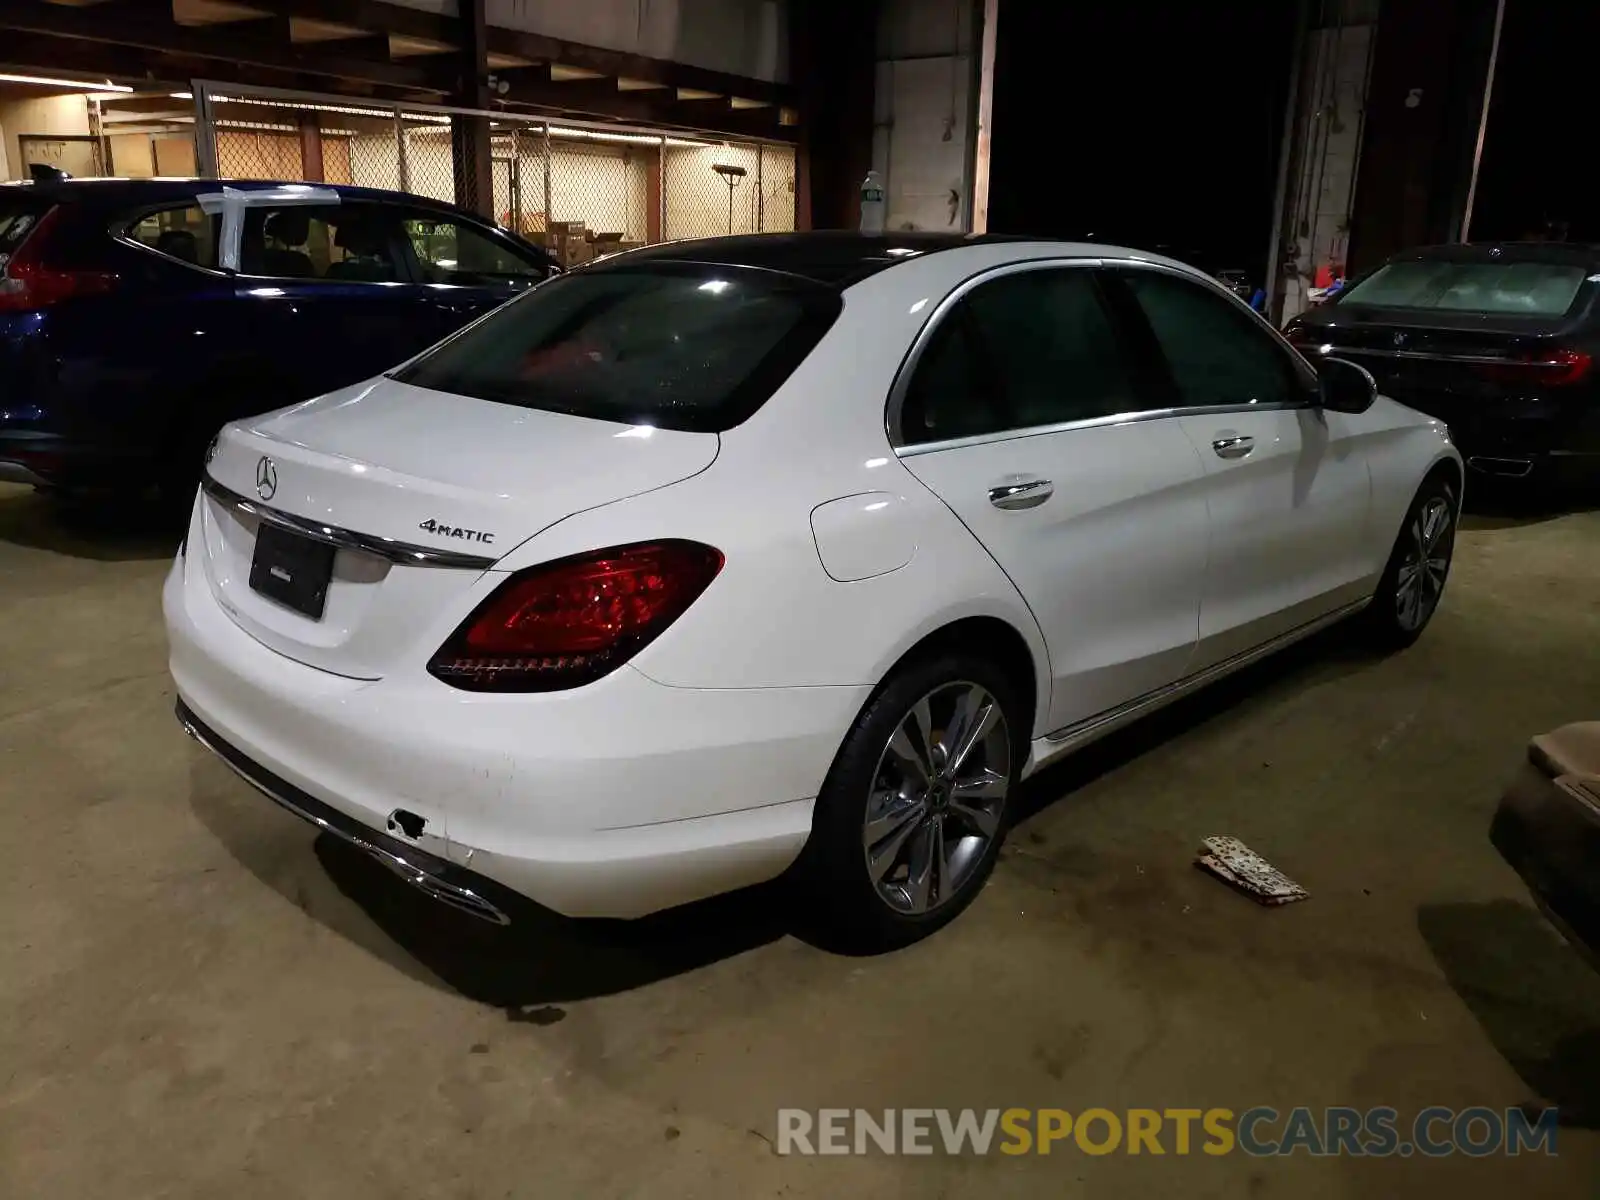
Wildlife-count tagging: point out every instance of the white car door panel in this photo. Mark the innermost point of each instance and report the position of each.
(1287, 495)
(1017, 416)
(1110, 561)
(1287, 487)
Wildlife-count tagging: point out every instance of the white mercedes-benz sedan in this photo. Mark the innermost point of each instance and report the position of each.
(728, 559)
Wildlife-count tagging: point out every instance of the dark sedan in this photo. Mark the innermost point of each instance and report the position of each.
(139, 316)
(1498, 341)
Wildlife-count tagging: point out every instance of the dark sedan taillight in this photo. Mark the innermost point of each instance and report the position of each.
(1538, 368)
(30, 282)
(569, 622)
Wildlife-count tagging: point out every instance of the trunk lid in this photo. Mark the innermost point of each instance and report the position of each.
(1434, 361)
(386, 470)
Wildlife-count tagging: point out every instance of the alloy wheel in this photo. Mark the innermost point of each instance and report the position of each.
(1420, 580)
(937, 797)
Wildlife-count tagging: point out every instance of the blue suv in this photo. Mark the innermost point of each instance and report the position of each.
(139, 316)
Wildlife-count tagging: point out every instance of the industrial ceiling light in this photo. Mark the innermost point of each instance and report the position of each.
(78, 84)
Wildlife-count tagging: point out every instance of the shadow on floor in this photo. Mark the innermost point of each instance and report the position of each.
(542, 958)
(104, 529)
(1535, 996)
(1505, 505)
(1331, 654)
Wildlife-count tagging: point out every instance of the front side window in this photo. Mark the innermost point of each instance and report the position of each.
(685, 346)
(454, 252)
(184, 232)
(350, 242)
(1022, 351)
(1215, 353)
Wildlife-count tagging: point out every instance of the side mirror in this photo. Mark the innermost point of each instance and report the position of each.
(1344, 386)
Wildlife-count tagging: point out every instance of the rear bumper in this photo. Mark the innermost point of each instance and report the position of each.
(1562, 469)
(442, 880)
(50, 459)
(616, 799)
(1542, 442)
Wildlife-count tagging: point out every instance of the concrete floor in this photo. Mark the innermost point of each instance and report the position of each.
(202, 999)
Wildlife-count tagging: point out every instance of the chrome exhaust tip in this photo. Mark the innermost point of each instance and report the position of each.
(1508, 468)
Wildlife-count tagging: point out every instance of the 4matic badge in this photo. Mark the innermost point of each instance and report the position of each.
(440, 529)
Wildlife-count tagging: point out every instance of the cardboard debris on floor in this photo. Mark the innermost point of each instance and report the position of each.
(1231, 861)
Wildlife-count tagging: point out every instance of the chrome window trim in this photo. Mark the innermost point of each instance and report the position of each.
(919, 344)
(1336, 351)
(408, 553)
(1128, 418)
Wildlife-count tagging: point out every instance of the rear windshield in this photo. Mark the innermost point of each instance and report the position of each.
(687, 346)
(17, 219)
(1533, 288)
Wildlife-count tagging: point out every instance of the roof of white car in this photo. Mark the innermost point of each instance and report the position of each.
(840, 259)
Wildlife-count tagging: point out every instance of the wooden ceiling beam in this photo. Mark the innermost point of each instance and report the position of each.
(258, 42)
(34, 52)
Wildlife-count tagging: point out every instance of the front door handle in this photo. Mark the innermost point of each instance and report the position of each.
(1234, 446)
(1021, 493)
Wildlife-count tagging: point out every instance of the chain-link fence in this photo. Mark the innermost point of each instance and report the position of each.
(579, 189)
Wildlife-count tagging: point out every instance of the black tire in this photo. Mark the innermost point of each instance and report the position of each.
(853, 905)
(1398, 613)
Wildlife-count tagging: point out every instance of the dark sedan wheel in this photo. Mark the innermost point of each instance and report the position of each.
(1413, 583)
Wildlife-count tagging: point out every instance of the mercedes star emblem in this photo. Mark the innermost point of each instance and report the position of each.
(266, 478)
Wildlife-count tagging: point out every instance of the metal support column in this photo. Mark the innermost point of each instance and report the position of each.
(205, 132)
(1272, 305)
(1483, 122)
(471, 155)
(549, 166)
(402, 159)
(662, 204)
(980, 157)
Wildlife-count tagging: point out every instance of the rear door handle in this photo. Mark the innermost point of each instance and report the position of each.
(1021, 493)
(1235, 446)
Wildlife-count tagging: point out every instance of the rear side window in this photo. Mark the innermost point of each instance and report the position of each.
(1022, 351)
(1533, 288)
(680, 345)
(350, 242)
(16, 223)
(454, 252)
(184, 232)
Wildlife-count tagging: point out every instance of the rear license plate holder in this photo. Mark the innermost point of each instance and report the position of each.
(292, 570)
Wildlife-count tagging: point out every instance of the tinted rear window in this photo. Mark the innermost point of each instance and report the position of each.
(681, 345)
(1533, 288)
(17, 219)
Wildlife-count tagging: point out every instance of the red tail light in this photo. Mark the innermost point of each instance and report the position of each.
(569, 622)
(1539, 368)
(27, 283)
